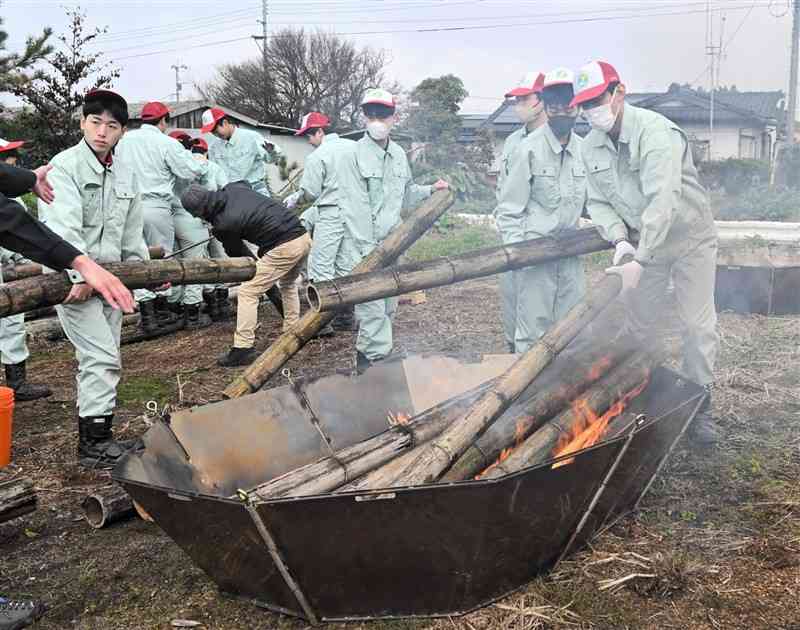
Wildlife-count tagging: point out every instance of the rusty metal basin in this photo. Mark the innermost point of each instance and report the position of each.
(441, 549)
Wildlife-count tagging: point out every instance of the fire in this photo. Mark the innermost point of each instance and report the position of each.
(589, 428)
(519, 436)
(398, 418)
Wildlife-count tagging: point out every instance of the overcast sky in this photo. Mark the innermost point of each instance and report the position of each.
(651, 42)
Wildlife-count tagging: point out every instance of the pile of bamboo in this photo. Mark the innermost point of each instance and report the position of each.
(530, 410)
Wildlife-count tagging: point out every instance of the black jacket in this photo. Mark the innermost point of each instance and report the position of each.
(238, 213)
(20, 232)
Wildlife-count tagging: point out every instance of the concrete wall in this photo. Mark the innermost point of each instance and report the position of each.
(734, 141)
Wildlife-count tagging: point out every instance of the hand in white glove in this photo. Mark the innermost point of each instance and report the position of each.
(630, 272)
(292, 200)
(622, 249)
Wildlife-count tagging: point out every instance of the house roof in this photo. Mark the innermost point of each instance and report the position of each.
(682, 104)
(184, 107)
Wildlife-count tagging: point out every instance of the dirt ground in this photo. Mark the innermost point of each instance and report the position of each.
(718, 536)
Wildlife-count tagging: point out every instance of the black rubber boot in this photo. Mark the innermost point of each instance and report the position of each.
(194, 319)
(362, 363)
(97, 447)
(211, 307)
(222, 296)
(148, 321)
(236, 357)
(16, 379)
(327, 331)
(703, 433)
(16, 614)
(344, 320)
(168, 319)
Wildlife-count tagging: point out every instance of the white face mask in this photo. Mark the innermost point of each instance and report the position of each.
(527, 112)
(602, 117)
(378, 130)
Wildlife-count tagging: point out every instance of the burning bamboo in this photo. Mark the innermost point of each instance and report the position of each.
(107, 505)
(17, 498)
(398, 240)
(51, 289)
(364, 287)
(435, 457)
(350, 463)
(584, 423)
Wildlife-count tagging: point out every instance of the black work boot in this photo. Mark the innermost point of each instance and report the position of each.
(148, 321)
(97, 447)
(16, 614)
(327, 331)
(168, 319)
(344, 320)
(222, 296)
(16, 379)
(194, 319)
(236, 357)
(703, 433)
(362, 362)
(210, 304)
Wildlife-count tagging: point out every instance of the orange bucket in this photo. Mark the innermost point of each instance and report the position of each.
(6, 416)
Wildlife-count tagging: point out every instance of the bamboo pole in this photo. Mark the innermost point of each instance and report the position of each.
(17, 498)
(12, 273)
(365, 287)
(398, 240)
(438, 455)
(539, 447)
(51, 288)
(350, 463)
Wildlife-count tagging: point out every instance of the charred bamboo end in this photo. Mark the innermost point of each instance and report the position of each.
(94, 511)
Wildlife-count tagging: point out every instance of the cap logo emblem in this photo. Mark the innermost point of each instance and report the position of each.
(583, 80)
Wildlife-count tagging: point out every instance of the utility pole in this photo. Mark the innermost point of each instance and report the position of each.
(177, 67)
(264, 57)
(792, 109)
(715, 52)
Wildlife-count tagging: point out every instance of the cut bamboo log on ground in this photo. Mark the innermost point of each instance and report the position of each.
(365, 287)
(28, 270)
(352, 462)
(540, 446)
(51, 288)
(106, 506)
(17, 498)
(438, 455)
(386, 253)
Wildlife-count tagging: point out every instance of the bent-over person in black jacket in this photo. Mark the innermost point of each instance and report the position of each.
(237, 213)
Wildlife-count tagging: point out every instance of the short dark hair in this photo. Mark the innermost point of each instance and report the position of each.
(156, 120)
(96, 106)
(377, 110)
(9, 154)
(224, 119)
(312, 130)
(558, 94)
(612, 86)
(195, 149)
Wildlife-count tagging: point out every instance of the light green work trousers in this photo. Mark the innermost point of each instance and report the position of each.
(94, 329)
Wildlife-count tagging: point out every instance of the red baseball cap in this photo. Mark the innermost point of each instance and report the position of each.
(10, 145)
(313, 120)
(154, 110)
(532, 83)
(200, 144)
(178, 135)
(592, 80)
(210, 119)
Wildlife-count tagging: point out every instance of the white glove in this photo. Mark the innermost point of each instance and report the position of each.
(622, 249)
(630, 272)
(292, 200)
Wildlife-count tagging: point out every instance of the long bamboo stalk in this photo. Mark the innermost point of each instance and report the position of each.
(284, 348)
(349, 463)
(364, 287)
(51, 288)
(539, 447)
(437, 456)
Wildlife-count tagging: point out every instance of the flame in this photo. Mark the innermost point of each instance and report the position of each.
(589, 428)
(519, 436)
(598, 369)
(398, 418)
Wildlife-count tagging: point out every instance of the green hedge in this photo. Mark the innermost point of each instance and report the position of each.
(762, 204)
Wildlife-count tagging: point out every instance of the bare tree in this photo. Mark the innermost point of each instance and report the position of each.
(305, 71)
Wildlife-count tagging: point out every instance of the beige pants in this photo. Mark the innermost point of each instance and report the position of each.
(280, 265)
